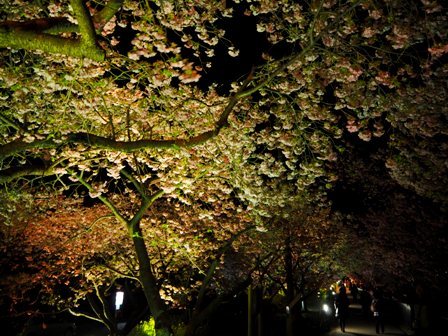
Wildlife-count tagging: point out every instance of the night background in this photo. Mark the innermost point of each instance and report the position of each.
(226, 165)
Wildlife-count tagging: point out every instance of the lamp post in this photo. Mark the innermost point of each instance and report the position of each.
(119, 296)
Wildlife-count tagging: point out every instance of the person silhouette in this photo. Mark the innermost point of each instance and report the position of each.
(342, 303)
(377, 308)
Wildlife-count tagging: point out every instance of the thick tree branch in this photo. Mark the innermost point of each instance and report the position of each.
(17, 36)
(97, 141)
(20, 146)
(38, 169)
(107, 13)
(56, 25)
(48, 25)
(85, 23)
(107, 143)
(21, 39)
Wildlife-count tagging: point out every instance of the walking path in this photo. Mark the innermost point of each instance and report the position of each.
(357, 324)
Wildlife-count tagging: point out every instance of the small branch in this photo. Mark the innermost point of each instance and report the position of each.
(107, 13)
(205, 282)
(83, 231)
(95, 307)
(223, 119)
(108, 315)
(312, 43)
(110, 119)
(131, 267)
(10, 123)
(100, 298)
(103, 199)
(79, 314)
(276, 72)
(135, 182)
(128, 124)
(199, 316)
(121, 274)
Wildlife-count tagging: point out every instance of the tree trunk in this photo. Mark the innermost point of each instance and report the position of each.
(289, 287)
(149, 284)
(250, 311)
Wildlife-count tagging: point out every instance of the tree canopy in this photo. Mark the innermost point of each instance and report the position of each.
(204, 127)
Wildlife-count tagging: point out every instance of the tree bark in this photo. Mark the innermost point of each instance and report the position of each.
(250, 313)
(149, 283)
(19, 38)
(289, 286)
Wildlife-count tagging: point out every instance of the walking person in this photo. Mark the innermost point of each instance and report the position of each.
(341, 303)
(377, 308)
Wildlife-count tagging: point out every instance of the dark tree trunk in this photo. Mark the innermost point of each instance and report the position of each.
(289, 286)
(149, 282)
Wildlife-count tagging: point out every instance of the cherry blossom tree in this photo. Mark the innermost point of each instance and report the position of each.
(68, 253)
(61, 255)
(130, 101)
(301, 248)
(391, 236)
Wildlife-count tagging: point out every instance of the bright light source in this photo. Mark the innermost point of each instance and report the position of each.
(119, 296)
(326, 308)
(287, 309)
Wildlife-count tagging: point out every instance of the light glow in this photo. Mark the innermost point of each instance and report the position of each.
(119, 296)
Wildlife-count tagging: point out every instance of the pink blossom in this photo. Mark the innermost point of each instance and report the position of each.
(365, 135)
(352, 126)
(438, 51)
(375, 14)
(368, 32)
